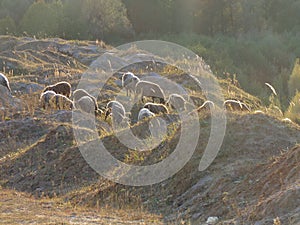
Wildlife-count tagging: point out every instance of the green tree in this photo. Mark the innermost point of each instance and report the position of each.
(15, 9)
(42, 19)
(106, 18)
(73, 24)
(7, 26)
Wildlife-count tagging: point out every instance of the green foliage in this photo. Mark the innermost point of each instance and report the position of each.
(7, 26)
(73, 25)
(294, 81)
(105, 18)
(42, 19)
(14, 9)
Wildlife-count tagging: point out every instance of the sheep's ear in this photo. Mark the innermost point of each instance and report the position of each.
(99, 112)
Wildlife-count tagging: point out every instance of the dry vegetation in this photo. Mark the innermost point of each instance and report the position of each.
(45, 180)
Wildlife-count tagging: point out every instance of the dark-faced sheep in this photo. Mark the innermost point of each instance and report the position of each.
(235, 105)
(45, 99)
(156, 108)
(149, 89)
(144, 113)
(79, 93)
(116, 109)
(61, 102)
(63, 88)
(129, 80)
(126, 76)
(4, 81)
(177, 102)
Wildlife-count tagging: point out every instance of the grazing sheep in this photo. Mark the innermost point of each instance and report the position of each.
(45, 99)
(176, 101)
(156, 108)
(79, 93)
(196, 100)
(63, 88)
(287, 120)
(4, 81)
(149, 89)
(117, 110)
(61, 102)
(86, 104)
(129, 80)
(130, 87)
(207, 105)
(126, 76)
(144, 113)
(233, 105)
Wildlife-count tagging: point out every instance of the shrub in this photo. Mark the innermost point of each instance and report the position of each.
(7, 26)
(42, 19)
(294, 81)
(293, 111)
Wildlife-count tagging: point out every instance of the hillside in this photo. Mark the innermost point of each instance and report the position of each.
(253, 180)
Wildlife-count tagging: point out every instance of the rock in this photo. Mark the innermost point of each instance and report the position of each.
(212, 220)
(27, 88)
(6, 99)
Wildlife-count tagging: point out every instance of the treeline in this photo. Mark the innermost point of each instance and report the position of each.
(256, 40)
(211, 17)
(122, 19)
(69, 19)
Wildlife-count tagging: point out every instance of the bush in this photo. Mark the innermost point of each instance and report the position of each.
(293, 111)
(106, 19)
(294, 81)
(42, 19)
(7, 26)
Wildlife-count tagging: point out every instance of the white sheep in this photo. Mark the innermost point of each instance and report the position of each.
(176, 101)
(59, 101)
(149, 89)
(117, 110)
(79, 93)
(129, 80)
(232, 104)
(207, 105)
(156, 108)
(4, 81)
(86, 104)
(45, 99)
(144, 113)
(126, 76)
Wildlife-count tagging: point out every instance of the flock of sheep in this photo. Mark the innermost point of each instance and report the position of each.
(59, 96)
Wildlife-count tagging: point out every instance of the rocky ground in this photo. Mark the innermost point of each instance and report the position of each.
(45, 180)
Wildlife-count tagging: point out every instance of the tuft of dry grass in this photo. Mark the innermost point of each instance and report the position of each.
(20, 208)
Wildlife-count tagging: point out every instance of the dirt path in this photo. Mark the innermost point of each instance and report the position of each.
(17, 208)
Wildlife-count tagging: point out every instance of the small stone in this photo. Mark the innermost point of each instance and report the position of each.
(212, 220)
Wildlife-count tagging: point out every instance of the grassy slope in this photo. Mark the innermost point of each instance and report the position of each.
(48, 163)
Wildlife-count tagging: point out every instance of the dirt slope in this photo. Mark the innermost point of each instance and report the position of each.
(19, 208)
(253, 180)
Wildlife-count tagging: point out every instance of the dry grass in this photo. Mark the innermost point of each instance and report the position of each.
(20, 208)
(50, 159)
